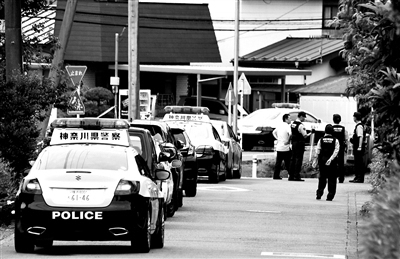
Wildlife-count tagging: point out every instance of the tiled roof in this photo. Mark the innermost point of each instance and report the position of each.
(329, 85)
(168, 33)
(295, 49)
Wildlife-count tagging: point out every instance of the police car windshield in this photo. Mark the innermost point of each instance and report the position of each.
(101, 157)
(263, 114)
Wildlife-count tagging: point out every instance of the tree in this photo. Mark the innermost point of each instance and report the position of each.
(23, 102)
(371, 50)
(373, 57)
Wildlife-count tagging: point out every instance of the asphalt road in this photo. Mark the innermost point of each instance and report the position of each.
(245, 218)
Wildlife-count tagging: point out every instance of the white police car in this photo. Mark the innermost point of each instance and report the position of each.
(210, 151)
(90, 184)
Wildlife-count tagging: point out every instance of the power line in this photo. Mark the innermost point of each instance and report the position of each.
(198, 19)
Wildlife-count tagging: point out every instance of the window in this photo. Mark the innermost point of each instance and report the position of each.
(100, 157)
(216, 135)
(181, 137)
(329, 12)
(310, 118)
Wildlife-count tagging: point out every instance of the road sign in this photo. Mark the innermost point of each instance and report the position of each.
(75, 105)
(230, 95)
(76, 73)
(244, 87)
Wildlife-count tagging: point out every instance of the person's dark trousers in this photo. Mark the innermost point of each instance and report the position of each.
(340, 165)
(281, 156)
(296, 160)
(327, 173)
(359, 165)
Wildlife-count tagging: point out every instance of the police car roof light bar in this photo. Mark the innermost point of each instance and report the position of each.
(286, 105)
(187, 109)
(89, 123)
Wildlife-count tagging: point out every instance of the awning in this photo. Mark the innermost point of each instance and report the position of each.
(216, 70)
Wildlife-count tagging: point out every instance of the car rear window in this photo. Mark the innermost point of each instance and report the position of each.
(102, 157)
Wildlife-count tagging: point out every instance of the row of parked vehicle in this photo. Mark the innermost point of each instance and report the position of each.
(110, 179)
(208, 149)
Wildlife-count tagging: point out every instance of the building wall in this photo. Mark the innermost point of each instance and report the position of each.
(325, 106)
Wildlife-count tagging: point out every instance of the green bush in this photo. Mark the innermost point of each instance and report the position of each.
(379, 170)
(7, 192)
(5, 179)
(380, 236)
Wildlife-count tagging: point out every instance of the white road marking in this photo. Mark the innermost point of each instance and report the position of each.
(221, 189)
(264, 211)
(303, 255)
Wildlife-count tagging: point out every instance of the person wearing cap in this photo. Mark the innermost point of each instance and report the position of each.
(327, 150)
(340, 133)
(283, 134)
(358, 149)
(299, 135)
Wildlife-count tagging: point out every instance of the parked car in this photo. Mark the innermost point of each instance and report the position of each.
(188, 151)
(144, 144)
(90, 184)
(256, 129)
(210, 151)
(232, 143)
(218, 110)
(163, 136)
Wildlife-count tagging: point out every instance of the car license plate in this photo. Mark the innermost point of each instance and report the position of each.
(78, 196)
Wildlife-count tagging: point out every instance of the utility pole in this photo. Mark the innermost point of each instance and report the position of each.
(235, 72)
(133, 59)
(58, 59)
(13, 37)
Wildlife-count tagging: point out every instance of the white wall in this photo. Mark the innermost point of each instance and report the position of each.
(325, 106)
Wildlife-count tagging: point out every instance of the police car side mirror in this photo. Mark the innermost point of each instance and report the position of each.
(162, 174)
(319, 121)
(222, 112)
(176, 163)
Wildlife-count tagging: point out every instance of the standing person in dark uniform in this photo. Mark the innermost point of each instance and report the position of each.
(340, 133)
(327, 150)
(283, 153)
(358, 149)
(299, 135)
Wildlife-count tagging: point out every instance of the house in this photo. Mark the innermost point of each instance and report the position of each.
(168, 34)
(320, 55)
